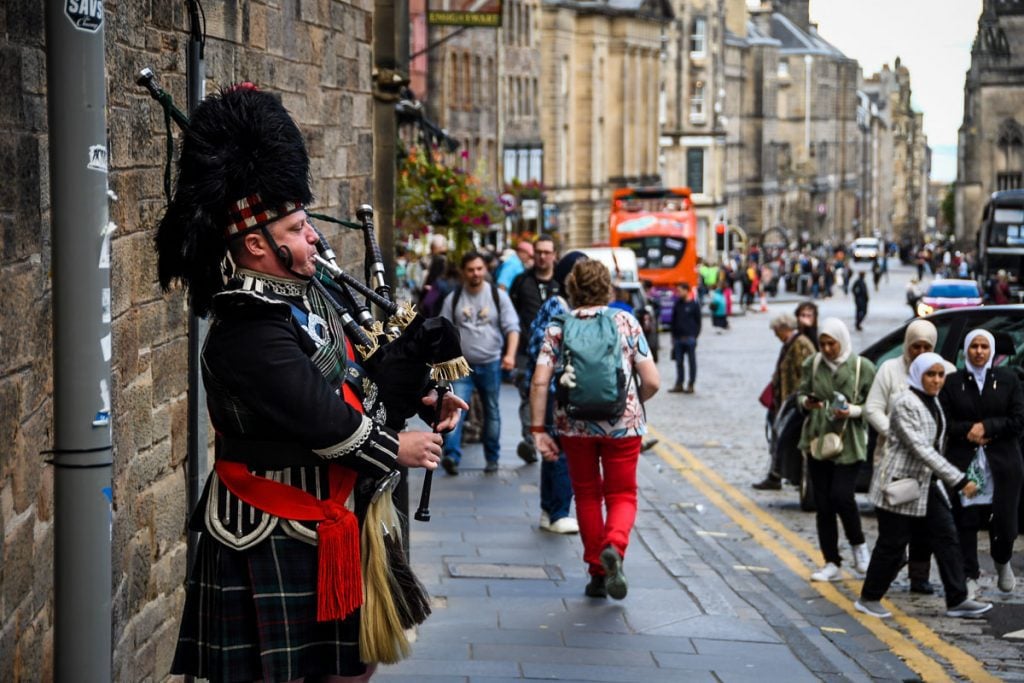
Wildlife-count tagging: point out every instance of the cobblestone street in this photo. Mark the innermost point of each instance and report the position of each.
(723, 425)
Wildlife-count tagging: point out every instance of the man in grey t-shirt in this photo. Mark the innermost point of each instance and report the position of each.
(489, 327)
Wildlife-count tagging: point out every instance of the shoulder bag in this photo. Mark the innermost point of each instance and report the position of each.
(830, 445)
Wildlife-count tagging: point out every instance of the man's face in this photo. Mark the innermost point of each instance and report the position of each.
(294, 232)
(544, 257)
(474, 272)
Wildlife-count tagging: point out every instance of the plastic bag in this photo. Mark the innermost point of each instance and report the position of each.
(981, 474)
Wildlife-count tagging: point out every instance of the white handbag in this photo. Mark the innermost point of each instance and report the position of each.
(901, 491)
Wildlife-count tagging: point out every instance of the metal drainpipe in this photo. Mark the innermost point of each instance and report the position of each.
(83, 449)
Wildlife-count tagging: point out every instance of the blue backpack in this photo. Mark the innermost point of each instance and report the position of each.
(591, 382)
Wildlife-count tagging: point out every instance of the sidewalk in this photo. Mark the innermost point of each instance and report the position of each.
(509, 604)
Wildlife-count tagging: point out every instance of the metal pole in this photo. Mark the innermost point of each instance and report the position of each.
(82, 459)
(198, 433)
(391, 66)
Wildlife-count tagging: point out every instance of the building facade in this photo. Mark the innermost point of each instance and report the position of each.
(990, 153)
(601, 73)
(318, 57)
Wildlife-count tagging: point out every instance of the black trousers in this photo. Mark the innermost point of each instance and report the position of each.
(833, 495)
(1002, 526)
(894, 533)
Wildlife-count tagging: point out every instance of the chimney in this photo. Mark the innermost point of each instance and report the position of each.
(797, 11)
(736, 17)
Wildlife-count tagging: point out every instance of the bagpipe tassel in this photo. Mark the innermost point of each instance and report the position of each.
(339, 574)
(450, 370)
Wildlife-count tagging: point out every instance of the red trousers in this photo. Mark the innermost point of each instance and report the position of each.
(603, 475)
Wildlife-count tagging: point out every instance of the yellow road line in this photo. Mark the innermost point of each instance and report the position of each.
(962, 662)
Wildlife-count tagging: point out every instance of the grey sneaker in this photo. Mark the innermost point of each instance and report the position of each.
(969, 609)
(614, 579)
(873, 608)
(1007, 581)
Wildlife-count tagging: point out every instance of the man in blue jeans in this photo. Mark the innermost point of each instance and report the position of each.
(489, 328)
(686, 321)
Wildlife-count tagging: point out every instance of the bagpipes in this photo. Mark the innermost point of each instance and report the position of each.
(406, 355)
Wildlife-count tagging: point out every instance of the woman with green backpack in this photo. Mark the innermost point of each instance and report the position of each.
(603, 371)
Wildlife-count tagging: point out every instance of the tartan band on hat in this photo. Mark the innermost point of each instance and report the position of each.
(250, 213)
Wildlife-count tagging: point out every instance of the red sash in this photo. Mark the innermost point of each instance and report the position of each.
(339, 572)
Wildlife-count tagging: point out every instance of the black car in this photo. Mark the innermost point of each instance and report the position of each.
(1006, 323)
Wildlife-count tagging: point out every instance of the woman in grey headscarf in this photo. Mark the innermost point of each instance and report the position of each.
(985, 408)
(833, 386)
(917, 430)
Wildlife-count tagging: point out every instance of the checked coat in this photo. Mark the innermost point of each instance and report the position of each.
(911, 452)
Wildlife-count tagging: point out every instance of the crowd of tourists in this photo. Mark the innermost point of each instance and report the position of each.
(947, 461)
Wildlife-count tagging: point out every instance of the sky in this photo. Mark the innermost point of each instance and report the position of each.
(933, 40)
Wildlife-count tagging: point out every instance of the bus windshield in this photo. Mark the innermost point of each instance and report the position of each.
(656, 252)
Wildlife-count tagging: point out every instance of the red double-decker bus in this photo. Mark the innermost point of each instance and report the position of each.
(660, 226)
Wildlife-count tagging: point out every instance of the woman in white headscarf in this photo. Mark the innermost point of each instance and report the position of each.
(833, 386)
(985, 408)
(917, 430)
(890, 382)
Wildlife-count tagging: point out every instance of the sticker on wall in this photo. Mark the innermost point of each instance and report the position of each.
(105, 347)
(85, 15)
(102, 418)
(97, 158)
(108, 230)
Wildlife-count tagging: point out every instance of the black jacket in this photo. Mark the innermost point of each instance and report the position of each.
(528, 293)
(1000, 408)
(686, 318)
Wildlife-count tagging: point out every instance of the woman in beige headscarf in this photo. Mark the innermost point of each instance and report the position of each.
(835, 371)
(890, 382)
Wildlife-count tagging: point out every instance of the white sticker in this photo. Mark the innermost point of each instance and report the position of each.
(84, 15)
(105, 303)
(97, 158)
(108, 230)
(105, 347)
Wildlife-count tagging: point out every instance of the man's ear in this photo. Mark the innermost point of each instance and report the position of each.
(253, 244)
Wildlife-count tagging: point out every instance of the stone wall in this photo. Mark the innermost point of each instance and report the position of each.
(317, 54)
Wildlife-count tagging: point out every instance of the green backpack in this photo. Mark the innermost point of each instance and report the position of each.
(591, 382)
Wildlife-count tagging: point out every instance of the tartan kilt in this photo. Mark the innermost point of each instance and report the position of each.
(250, 615)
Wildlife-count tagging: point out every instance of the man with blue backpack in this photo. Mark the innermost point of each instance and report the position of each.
(603, 371)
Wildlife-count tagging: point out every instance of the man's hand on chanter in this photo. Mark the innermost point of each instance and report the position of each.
(419, 449)
(451, 409)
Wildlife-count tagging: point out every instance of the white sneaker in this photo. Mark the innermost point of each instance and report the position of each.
(861, 558)
(829, 572)
(565, 525)
(1007, 581)
(545, 521)
(972, 589)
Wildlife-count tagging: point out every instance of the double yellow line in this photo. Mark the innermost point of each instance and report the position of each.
(768, 531)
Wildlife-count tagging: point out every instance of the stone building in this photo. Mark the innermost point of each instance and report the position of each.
(519, 74)
(792, 143)
(601, 74)
(896, 158)
(692, 115)
(318, 56)
(990, 153)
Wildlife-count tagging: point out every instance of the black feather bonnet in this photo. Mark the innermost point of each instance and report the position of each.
(240, 142)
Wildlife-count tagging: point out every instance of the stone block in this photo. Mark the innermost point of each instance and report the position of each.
(10, 417)
(8, 644)
(17, 562)
(179, 431)
(10, 72)
(224, 20)
(21, 283)
(361, 162)
(32, 436)
(148, 466)
(257, 26)
(168, 573)
(133, 406)
(169, 514)
(170, 369)
(44, 496)
(140, 558)
(125, 350)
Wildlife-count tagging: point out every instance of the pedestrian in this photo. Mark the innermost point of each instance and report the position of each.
(796, 348)
(876, 273)
(489, 327)
(513, 264)
(833, 386)
(917, 431)
(602, 454)
(686, 321)
(807, 318)
(985, 408)
(436, 286)
(720, 307)
(1000, 290)
(860, 300)
(286, 417)
(913, 295)
(555, 485)
(528, 292)
(891, 381)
